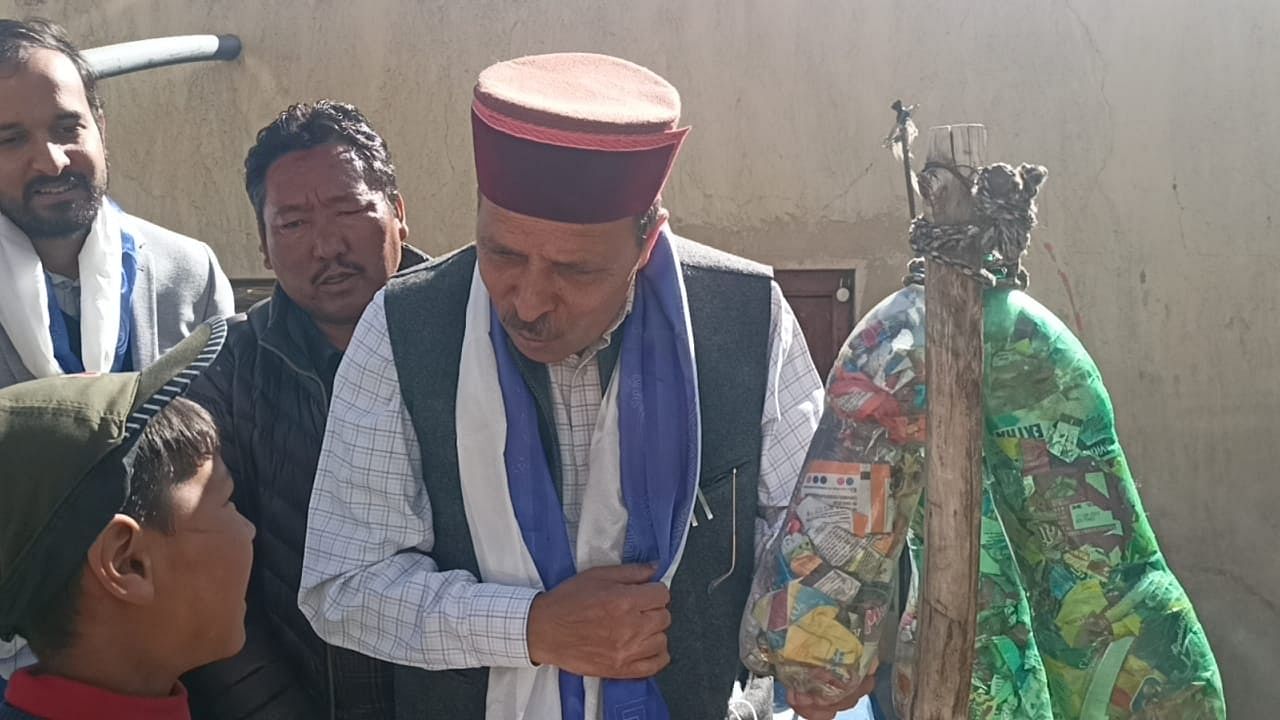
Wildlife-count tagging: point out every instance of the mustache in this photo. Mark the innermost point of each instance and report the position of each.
(539, 329)
(78, 180)
(339, 264)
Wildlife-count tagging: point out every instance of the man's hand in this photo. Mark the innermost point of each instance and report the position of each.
(811, 707)
(607, 622)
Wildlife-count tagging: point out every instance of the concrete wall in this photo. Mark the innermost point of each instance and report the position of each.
(1157, 239)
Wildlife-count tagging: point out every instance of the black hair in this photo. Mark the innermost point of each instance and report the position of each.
(306, 125)
(173, 446)
(19, 37)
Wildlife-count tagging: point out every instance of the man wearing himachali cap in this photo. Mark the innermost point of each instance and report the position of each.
(532, 439)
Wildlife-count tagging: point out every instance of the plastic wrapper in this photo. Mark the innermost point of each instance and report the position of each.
(1079, 616)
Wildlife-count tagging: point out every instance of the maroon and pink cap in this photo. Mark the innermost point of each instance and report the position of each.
(574, 137)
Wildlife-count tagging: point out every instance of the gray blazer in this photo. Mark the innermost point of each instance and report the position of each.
(178, 286)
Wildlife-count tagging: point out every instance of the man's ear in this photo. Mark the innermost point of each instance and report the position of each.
(652, 238)
(120, 562)
(400, 215)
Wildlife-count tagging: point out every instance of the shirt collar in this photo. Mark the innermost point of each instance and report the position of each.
(61, 281)
(66, 291)
(58, 698)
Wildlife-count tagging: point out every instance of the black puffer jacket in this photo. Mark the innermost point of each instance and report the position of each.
(269, 392)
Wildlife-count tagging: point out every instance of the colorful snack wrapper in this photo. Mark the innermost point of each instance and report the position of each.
(1079, 615)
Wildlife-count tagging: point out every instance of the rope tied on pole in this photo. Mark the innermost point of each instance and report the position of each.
(990, 249)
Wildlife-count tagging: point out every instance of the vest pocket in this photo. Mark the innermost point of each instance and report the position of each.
(716, 497)
(712, 479)
(721, 506)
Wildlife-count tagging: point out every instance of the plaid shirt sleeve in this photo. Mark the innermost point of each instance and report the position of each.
(794, 397)
(368, 580)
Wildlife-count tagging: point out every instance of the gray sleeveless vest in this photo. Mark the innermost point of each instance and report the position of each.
(729, 303)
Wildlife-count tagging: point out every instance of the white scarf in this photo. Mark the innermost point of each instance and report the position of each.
(481, 424)
(24, 313)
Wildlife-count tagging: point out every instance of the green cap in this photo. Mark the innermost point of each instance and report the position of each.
(66, 465)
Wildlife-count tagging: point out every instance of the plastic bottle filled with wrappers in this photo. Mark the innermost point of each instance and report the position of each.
(826, 581)
(1079, 615)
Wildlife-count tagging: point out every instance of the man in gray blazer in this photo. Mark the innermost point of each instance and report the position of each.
(83, 285)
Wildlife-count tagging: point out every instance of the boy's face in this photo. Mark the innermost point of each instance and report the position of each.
(201, 569)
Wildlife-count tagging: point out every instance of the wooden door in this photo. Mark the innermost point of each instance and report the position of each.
(823, 303)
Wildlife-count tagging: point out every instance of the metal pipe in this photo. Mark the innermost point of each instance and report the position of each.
(122, 58)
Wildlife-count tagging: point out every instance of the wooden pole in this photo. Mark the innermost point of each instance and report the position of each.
(953, 329)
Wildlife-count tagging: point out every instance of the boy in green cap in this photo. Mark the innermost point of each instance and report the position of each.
(123, 561)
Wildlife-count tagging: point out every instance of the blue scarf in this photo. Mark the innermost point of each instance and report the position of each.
(659, 435)
(67, 358)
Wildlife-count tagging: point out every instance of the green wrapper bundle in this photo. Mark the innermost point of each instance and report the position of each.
(1079, 615)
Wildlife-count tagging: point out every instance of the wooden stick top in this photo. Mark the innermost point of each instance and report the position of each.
(962, 148)
(962, 145)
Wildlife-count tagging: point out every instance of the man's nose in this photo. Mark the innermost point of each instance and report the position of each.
(51, 159)
(329, 241)
(534, 296)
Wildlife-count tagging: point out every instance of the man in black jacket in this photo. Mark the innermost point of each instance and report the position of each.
(332, 225)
